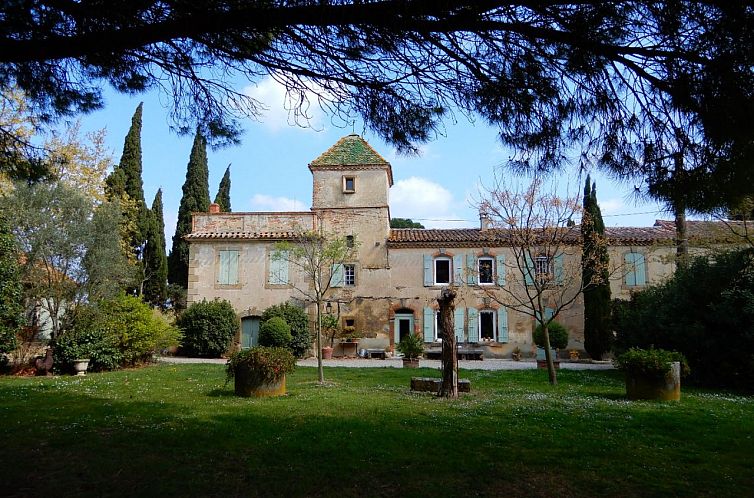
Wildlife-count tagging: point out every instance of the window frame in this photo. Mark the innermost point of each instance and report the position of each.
(492, 273)
(544, 261)
(493, 313)
(219, 268)
(349, 270)
(346, 180)
(449, 261)
(625, 282)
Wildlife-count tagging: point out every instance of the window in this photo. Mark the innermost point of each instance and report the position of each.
(487, 325)
(349, 322)
(486, 272)
(349, 184)
(349, 240)
(442, 271)
(278, 273)
(227, 273)
(343, 275)
(349, 275)
(636, 272)
(543, 268)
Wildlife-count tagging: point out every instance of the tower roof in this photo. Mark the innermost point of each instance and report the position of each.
(351, 150)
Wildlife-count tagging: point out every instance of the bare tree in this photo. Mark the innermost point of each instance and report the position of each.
(544, 276)
(319, 257)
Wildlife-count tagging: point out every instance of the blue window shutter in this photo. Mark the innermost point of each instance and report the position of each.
(472, 328)
(458, 270)
(502, 324)
(458, 324)
(500, 268)
(222, 271)
(232, 267)
(429, 325)
(549, 313)
(628, 261)
(278, 268)
(558, 269)
(336, 275)
(641, 269)
(528, 269)
(472, 269)
(428, 278)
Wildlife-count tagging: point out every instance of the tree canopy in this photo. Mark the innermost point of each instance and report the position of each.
(404, 223)
(630, 85)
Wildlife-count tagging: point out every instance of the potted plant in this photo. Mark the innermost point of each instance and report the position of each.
(653, 374)
(330, 330)
(411, 347)
(516, 354)
(558, 340)
(260, 371)
(348, 334)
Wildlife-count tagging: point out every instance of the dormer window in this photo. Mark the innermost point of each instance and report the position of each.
(349, 184)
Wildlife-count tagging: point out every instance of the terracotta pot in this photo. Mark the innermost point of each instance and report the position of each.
(244, 387)
(326, 353)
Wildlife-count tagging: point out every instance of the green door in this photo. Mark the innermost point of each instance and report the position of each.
(404, 325)
(249, 331)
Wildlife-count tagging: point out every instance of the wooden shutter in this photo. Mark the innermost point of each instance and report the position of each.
(428, 278)
(278, 268)
(222, 271)
(232, 267)
(502, 324)
(429, 325)
(641, 269)
(472, 269)
(458, 324)
(529, 269)
(500, 269)
(472, 328)
(558, 269)
(458, 270)
(336, 275)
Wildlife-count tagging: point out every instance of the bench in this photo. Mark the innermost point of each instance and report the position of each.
(376, 353)
(462, 354)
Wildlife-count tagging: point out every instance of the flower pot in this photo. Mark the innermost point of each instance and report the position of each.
(80, 366)
(410, 362)
(664, 388)
(326, 353)
(245, 387)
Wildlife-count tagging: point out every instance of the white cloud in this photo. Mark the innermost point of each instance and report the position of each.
(612, 206)
(425, 201)
(261, 202)
(286, 111)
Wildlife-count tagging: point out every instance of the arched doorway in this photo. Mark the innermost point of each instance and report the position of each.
(403, 324)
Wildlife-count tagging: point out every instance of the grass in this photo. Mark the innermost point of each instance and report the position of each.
(169, 430)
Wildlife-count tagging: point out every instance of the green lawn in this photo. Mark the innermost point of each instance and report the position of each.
(170, 430)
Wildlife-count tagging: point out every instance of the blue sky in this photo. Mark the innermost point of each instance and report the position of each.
(269, 169)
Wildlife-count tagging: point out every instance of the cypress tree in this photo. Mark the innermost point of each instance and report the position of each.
(11, 298)
(223, 193)
(595, 276)
(155, 261)
(195, 199)
(125, 180)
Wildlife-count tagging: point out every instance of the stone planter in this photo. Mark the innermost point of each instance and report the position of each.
(327, 353)
(244, 387)
(410, 362)
(667, 388)
(542, 360)
(80, 366)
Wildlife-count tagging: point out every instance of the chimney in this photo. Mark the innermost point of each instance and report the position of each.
(484, 220)
(214, 208)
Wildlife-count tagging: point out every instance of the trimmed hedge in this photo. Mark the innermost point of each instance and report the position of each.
(557, 332)
(275, 333)
(298, 321)
(209, 328)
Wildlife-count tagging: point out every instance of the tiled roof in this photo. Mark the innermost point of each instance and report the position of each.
(240, 235)
(351, 150)
(663, 232)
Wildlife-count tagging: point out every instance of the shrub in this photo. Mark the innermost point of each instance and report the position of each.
(411, 346)
(262, 364)
(208, 328)
(298, 321)
(275, 333)
(557, 332)
(705, 311)
(122, 331)
(650, 362)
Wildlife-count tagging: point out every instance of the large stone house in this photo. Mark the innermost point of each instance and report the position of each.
(390, 288)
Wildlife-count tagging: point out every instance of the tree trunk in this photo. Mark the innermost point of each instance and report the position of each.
(320, 368)
(449, 387)
(551, 373)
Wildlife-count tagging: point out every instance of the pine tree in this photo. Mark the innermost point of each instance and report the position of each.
(195, 199)
(155, 261)
(223, 192)
(595, 275)
(11, 298)
(125, 184)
